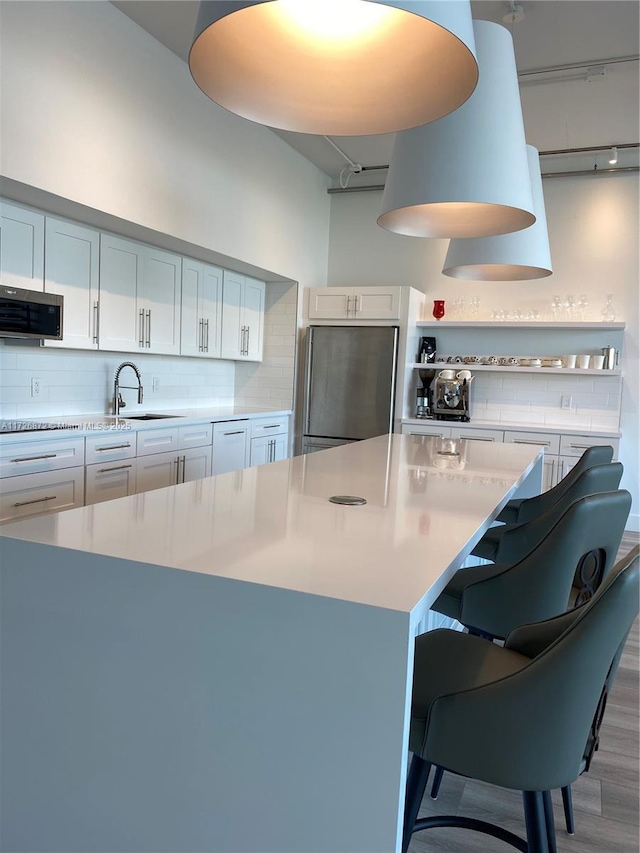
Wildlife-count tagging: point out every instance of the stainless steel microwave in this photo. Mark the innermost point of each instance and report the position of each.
(30, 314)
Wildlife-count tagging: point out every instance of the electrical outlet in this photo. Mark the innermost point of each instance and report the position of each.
(156, 383)
(566, 402)
(36, 385)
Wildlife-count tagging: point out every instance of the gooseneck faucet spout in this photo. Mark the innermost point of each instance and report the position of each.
(118, 402)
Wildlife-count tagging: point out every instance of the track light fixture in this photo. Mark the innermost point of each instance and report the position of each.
(336, 67)
(614, 156)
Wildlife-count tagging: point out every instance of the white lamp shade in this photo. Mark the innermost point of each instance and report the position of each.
(466, 175)
(336, 67)
(519, 256)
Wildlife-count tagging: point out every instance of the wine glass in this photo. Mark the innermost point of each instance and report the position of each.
(582, 306)
(556, 306)
(608, 312)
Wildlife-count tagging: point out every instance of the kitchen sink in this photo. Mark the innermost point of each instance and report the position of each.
(147, 417)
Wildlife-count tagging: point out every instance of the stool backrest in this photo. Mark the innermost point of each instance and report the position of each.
(520, 539)
(598, 455)
(528, 730)
(540, 585)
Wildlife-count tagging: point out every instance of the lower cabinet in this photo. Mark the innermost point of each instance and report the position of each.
(269, 440)
(561, 452)
(159, 470)
(35, 494)
(266, 449)
(106, 481)
(230, 446)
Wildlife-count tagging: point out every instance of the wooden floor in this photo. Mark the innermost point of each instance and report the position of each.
(605, 799)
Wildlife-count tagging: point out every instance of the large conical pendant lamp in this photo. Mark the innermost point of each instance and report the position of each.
(336, 67)
(508, 257)
(466, 175)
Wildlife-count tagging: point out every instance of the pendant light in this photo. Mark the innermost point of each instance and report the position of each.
(466, 175)
(518, 256)
(336, 67)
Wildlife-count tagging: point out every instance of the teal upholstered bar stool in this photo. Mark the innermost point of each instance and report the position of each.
(517, 716)
(563, 570)
(507, 543)
(526, 509)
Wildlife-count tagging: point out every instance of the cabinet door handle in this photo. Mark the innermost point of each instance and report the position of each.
(348, 305)
(580, 446)
(37, 501)
(95, 322)
(206, 328)
(113, 447)
(115, 468)
(35, 458)
(475, 438)
(141, 339)
(149, 328)
(235, 432)
(357, 304)
(553, 471)
(524, 441)
(200, 335)
(176, 462)
(271, 426)
(248, 339)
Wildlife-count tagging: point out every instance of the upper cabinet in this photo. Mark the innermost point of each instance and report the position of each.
(201, 325)
(242, 317)
(139, 297)
(72, 269)
(354, 303)
(21, 247)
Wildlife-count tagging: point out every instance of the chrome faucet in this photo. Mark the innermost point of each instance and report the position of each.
(118, 402)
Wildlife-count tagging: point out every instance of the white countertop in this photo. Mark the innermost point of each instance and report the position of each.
(273, 525)
(92, 424)
(477, 423)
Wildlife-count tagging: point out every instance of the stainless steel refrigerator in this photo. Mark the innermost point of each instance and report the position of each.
(350, 384)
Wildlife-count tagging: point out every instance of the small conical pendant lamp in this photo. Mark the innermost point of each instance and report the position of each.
(336, 67)
(508, 257)
(466, 175)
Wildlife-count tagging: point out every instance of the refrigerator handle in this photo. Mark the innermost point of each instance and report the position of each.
(307, 382)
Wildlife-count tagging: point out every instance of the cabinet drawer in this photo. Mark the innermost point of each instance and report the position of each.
(575, 445)
(112, 446)
(269, 426)
(197, 435)
(157, 441)
(431, 429)
(478, 434)
(31, 457)
(105, 481)
(35, 494)
(549, 441)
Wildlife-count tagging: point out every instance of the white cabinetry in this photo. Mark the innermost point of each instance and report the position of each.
(105, 481)
(230, 446)
(41, 476)
(242, 317)
(35, 494)
(269, 440)
(354, 303)
(139, 297)
(186, 456)
(72, 269)
(21, 247)
(201, 324)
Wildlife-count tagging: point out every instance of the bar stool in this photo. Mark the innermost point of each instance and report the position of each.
(483, 711)
(565, 568)
(508, 543)
(525, 509)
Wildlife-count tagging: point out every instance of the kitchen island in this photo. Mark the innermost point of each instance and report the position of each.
(225, 665)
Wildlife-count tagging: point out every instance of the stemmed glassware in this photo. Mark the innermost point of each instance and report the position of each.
(582, 306)
(608, 312)
(474, 306)
(556, 306)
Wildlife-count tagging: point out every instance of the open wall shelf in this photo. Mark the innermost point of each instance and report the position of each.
(517, 324)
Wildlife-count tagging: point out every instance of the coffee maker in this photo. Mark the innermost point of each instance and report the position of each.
(424, 395)
(451, 397)
(427, 351)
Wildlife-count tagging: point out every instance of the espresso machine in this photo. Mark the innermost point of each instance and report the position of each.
(451, 396)
(424, 394)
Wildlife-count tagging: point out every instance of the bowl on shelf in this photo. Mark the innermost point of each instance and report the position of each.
(551, 362)
(530, 362)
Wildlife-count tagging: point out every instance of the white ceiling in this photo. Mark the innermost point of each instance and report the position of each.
(553, 33)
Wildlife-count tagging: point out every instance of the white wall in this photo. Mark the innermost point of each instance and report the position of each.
(96, 111)
(593, 228)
